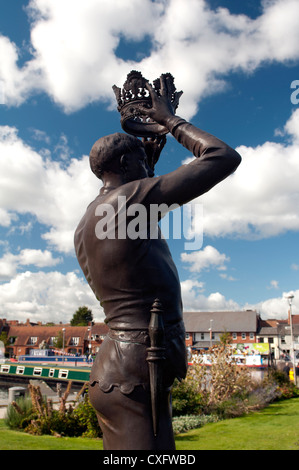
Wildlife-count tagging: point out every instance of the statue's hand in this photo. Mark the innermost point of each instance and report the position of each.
(153, 148)
(161, 108)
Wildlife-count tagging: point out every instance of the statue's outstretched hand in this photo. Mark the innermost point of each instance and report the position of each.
(162, 108)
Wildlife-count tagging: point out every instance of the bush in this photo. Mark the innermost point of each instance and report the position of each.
(185, 398)
(18, 412)
(225, 389)
(86, 416)
(36, 415)
(185, 423)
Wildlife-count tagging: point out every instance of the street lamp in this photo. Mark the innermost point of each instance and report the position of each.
(290, 300)
(63, 341)
(89, 341)
(211, 330)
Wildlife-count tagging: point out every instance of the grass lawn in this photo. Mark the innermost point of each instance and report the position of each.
(274, 428)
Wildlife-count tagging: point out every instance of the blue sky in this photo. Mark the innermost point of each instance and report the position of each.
(235, 62)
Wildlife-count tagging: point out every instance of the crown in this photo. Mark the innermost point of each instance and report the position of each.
(135, 95)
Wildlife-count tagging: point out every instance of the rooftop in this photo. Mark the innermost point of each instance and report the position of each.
(233, 321)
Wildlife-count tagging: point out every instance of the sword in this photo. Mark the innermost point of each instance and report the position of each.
(154, 358)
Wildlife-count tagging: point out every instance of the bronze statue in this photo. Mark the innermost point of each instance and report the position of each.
(134, 277)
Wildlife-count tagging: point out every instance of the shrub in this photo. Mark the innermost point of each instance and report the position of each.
(36, 415)
(185, 423)
(185, 398)
(86, 416)
(18, 412)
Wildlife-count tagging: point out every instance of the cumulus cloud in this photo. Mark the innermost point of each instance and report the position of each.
(276, 307)
(56, 195)
(204, 259)
(46, 297)
(194, 299)
(261, 199)
(9, 263)
(74, 47)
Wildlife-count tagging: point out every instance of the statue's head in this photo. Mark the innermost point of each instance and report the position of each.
(107, 152)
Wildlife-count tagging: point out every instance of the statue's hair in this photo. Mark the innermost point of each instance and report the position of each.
(107, 151)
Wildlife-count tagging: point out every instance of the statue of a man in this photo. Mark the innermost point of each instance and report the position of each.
(127, 273)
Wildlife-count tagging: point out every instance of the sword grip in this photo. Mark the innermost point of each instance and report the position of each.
(154, 358)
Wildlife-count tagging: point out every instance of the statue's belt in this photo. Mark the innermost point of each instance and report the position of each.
(142, 336)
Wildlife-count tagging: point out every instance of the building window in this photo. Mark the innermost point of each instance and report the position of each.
(244, 335)
(271, 340)
(283, 340)
(37, 371)
(234, 335)
(20, 370)
(33, 340)
(202, 336)
(251, 335)
(51, 372)
(187, 335)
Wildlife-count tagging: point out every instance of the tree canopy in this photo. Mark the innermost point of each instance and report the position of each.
(82, 317)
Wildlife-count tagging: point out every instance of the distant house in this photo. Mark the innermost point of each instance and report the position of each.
(76, 339)
(278, 334)
(203, 329)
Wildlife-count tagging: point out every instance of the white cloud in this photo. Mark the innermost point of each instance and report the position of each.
(74, 47)
(46, 297)
(262, 198)
(276, 307)
(204, 259)
(274, 284)
(10, 263)
(56, 195)
(194, 299)
(16, 83)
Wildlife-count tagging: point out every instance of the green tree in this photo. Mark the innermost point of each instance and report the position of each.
(82, 317)
(4, 338)
(58, 341)
(225, 338)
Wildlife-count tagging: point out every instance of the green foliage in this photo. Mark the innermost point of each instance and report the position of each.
(58, 341)
(185, 423)
(82, 317)
(225, 389)
(18, 413)
(87, 418)
(36, 415)
(185, 398)
(4, 338)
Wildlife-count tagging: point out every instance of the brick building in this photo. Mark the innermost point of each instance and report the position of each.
(203, 329)
(76, 339)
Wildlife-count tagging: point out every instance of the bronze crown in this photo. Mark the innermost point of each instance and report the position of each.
(134, 95)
